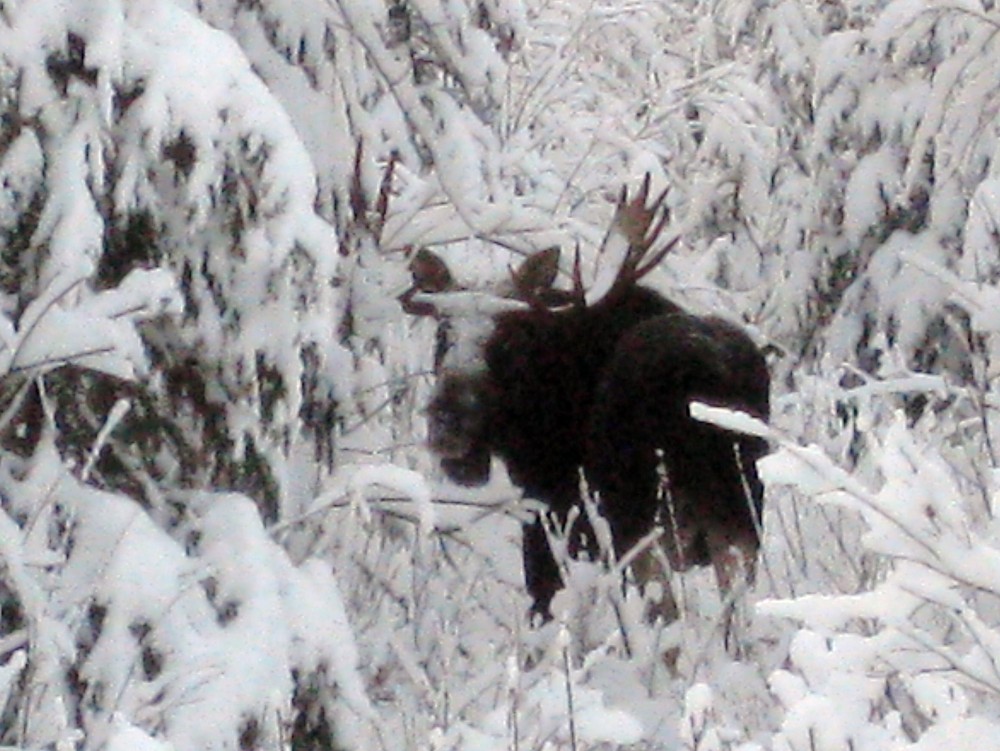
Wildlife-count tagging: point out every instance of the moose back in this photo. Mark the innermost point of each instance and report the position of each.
(605, 388)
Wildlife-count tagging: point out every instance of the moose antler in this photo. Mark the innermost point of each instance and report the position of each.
(641, 222)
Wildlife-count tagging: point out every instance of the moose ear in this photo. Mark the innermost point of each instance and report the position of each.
(430, 273)
(536, 274)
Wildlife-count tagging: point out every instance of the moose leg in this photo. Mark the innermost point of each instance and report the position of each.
(631, 524)
(734, 557)
(541, 572)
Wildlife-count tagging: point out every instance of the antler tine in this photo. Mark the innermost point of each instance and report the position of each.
(579, 292)
(647, 182)
(653, 262)
(660, 204)
(657, 207)
(635, 218)
(642, 222)
(651, 210)
(645, 265)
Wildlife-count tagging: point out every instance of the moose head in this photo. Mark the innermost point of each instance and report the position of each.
(571, 381)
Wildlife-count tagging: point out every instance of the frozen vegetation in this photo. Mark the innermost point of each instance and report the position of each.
(219, 525)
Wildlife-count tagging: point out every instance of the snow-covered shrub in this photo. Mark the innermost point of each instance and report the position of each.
(206, 214)
(889, 132)
(169, 329)
(141, 138)
(205, 635)
(911, 656)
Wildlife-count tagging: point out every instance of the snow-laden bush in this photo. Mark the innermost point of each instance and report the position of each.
(169, 330)
(203, 636)
(913, 656)
(140, 138)
(210, 400)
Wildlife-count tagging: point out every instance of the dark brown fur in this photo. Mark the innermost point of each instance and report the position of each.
(605, 389)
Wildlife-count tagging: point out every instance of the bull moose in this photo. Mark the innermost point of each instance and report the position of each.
(603, 386)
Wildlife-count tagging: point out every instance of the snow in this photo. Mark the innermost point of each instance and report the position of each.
(353, 481)
(227, 624)
(126, 737)
(738, 422)
(181, 567)
(976, 732)
(98, 332)
(546, 715)
(871, 186)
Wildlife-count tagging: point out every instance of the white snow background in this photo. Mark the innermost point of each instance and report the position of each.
(219, 525)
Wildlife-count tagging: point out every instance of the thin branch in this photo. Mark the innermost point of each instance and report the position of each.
(61, 359)
(25, 335)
